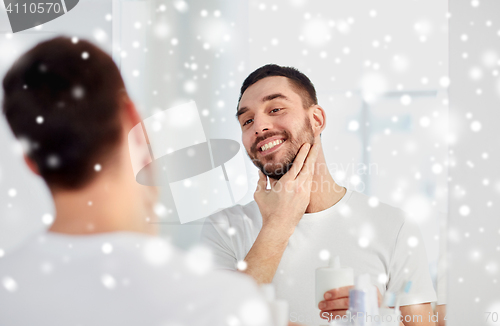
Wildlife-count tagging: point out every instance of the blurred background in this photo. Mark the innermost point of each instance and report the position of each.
(380, 69)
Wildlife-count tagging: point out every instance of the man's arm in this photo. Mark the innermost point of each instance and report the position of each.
(265, 255)
(441, 313)
(417, 314)
(281, 208)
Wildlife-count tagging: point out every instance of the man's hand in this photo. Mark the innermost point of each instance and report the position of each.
(281, 208)
(285, 203)
(336, 302)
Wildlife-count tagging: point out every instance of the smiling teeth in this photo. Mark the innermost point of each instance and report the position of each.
(271, 144)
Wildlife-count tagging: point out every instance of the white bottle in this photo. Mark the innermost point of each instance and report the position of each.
(278, 308)
(332, 277)
(389, 316)
(363, 302)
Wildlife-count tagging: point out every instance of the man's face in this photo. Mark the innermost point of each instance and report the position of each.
(274, 124)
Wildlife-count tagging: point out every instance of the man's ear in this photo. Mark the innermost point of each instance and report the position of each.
(130, 111)
(133, 118)
(318, 120)
(31, 165)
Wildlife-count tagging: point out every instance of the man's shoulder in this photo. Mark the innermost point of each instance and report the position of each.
(371, 207)
(247, 213)
(142, 264)
(123, 248)
(235, 228)
(228, 281)
(20, 252)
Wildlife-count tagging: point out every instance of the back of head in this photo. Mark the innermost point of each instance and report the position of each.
(62, 100)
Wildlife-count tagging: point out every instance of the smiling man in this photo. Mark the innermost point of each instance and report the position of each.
(278, 237)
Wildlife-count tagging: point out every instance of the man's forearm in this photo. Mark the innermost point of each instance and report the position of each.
(417, 315)
(265, 255)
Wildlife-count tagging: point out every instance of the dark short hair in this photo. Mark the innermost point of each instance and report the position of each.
(300, 82)
(63, 99)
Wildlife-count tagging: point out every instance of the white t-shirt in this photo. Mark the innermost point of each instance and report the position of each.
(379, 241)
(121, 278)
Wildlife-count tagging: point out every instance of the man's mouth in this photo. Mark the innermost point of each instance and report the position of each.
(271, 145)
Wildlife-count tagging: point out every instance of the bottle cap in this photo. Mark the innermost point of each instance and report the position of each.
(334, 262)
(362, 281)
(268, 291)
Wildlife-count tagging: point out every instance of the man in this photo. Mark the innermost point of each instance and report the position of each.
(279, 240)
(100, 263)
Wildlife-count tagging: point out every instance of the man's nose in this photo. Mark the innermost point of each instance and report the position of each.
(261, 124)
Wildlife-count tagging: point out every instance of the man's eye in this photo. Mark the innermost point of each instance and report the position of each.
(275, 110)
(247, 122)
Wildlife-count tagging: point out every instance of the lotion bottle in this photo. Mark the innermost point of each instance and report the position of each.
(363, 302)
(278, 308)
(331, 277)
(389, 316)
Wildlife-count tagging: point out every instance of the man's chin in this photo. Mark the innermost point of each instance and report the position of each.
(274, 176)
(277, 171)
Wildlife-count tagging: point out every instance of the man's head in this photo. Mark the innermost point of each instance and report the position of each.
(278, 112)
(64, 101)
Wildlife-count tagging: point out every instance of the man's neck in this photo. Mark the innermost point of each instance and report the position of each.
(108, 204)
(325, 192)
